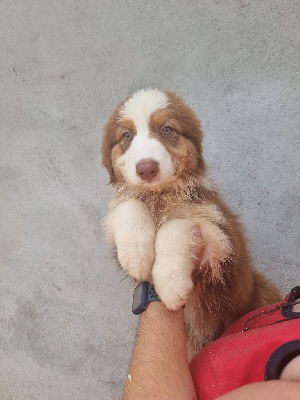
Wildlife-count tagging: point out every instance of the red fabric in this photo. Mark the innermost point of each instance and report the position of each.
(239, 358)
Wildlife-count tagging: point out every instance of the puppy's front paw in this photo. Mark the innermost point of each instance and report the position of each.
(136, 256)
(174, 291)
(174, 264)
(131, 228)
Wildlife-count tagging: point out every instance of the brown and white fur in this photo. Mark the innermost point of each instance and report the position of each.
(152, 149)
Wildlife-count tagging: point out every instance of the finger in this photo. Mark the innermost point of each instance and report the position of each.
(198, 242)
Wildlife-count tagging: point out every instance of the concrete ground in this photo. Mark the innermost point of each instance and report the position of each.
(66, 325)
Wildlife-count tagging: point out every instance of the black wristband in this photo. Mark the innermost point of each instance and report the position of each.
(143, 294)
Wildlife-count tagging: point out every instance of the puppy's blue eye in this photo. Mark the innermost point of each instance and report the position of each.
(166, 131)
(127, 136)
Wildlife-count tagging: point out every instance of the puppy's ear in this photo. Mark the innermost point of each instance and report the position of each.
(197, 137)
(106, 149)
(109, 140)
(106, 162)
(191, 125)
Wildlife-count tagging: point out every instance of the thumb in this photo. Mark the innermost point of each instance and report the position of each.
(198, 244)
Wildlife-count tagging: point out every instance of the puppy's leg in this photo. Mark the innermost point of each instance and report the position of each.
(172, 270)
(131, 228)
(175, 258)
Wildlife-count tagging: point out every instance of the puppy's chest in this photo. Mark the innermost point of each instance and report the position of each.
(162, 211)
(168, 205)
(165, 207)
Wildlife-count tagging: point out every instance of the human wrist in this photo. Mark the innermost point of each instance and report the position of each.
(158, 307)
(157, 315)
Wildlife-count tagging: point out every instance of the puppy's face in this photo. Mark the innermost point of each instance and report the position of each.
(152, 139)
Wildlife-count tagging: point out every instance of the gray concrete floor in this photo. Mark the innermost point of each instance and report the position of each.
(66, 327)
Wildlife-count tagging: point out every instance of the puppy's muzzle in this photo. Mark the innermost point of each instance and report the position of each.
(147, 169)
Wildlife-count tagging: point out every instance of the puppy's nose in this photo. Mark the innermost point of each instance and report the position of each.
(147, 169)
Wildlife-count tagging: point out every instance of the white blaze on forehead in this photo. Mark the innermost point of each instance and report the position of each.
(141, 105)
(139, 109)
(144, 147)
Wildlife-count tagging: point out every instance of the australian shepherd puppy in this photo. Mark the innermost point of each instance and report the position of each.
(152, 149)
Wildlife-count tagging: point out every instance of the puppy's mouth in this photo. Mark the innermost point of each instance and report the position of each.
(155, 183)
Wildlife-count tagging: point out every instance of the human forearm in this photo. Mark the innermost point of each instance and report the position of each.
(159, 367)
(275, 390)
